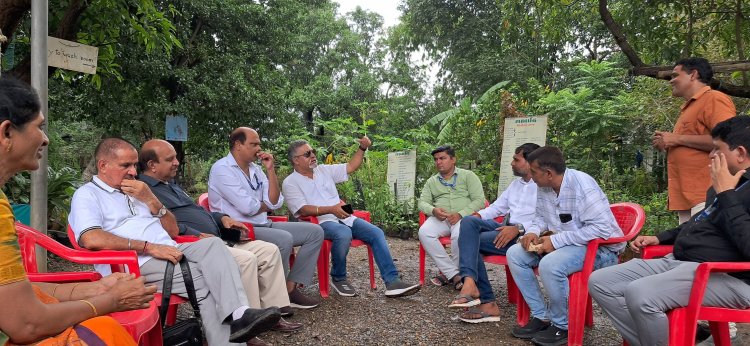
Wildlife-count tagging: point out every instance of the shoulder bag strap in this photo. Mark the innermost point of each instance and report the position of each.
(166, 293)
(188, 279)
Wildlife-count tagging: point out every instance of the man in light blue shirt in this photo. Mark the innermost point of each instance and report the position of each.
(239, 188)
(571, 205)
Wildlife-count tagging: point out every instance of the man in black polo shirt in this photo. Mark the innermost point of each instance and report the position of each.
(637, 294)
(260, 263)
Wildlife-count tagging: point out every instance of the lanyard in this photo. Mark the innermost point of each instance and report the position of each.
(445, 183)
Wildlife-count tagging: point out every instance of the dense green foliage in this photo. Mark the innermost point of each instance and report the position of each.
(300, 69)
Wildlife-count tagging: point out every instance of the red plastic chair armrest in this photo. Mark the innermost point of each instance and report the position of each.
(62, 277)
(362, 214)
(310, 219)
(278, 218)
(186, 239)
(654, 251)
(250, 230)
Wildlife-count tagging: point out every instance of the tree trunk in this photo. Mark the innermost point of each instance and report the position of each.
(665, 72)
(11, 15)
(738, 37)
(66, 30)
(616, 30)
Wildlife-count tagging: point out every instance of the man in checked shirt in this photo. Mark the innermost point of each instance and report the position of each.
(572, 205)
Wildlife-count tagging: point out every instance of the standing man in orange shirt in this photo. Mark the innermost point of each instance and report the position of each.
(688, 145)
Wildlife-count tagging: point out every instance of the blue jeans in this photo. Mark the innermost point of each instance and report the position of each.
(477, 237)
(341, 235)
(554, 269)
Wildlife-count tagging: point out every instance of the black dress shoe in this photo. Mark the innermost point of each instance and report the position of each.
(252, 323)
(286, 326)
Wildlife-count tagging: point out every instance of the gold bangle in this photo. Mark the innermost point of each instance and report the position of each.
(70, 294)
(317, 211)
(55, 290)
(96, 313)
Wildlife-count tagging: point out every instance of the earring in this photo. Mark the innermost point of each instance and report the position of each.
(10, 145)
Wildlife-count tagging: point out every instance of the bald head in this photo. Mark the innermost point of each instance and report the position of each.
(158, 159)
(240, 135)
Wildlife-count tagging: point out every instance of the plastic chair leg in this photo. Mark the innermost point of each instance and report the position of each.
(323, 269)
(153, 337)
(577, 310)
(720, 332)
(372, 268)
(679, 336)
(513, 292)
(421, 264)
(523, 312)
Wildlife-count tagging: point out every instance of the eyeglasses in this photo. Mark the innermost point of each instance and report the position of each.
(307, 154)
(130, 204)
(258, 183)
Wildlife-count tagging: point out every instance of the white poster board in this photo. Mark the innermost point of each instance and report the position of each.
(71, 55)
(176, 128)
(402, 174)
(519, 131)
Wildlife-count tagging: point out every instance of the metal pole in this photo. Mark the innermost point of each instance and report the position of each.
(39, 30)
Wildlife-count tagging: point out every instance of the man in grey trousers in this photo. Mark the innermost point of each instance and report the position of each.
(239, 188)
(637, 294)
(116, 212)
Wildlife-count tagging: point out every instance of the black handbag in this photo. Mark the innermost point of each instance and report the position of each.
(185, 332)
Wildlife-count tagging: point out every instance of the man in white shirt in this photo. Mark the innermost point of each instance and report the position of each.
(116, 212)
(571, 205)
(238, 188)
(311, 191)
(482, 235)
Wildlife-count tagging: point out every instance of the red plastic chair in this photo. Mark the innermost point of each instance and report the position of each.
(682, 321)
(143, 325)
(630, 217)
(324, 269)
(174, 300)
(203, 202)
(445, 241)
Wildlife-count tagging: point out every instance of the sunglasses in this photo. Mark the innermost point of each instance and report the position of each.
(307, 154)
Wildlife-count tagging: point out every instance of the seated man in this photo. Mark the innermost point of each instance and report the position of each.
(238, 188)
(260, 262)
(447, 197)
(482, 235)
(720, 233)
(116, 212)
(311, 191)
(571, 205)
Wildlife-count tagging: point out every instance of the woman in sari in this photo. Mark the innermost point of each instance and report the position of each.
(45, 313)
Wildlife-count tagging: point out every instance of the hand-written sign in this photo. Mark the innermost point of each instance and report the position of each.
(71, 55)
(517, 132)
(402, 174)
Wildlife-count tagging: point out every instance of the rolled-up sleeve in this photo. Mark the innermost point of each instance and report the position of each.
(266, 199)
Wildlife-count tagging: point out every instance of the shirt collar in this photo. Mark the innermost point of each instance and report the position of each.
(102, 185)
(150, 180)
(702, 91)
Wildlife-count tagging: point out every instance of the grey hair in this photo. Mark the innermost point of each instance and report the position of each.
(293, 148)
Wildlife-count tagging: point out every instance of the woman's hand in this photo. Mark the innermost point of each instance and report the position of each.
(130, 293)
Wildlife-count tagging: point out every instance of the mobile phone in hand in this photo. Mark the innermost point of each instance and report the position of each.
(347, 208)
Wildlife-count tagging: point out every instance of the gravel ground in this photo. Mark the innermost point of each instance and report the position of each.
(422, 319)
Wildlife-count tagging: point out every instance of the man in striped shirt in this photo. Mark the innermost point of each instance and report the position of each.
(574, 208)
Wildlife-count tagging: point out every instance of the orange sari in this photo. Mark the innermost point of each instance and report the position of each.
(102, 330)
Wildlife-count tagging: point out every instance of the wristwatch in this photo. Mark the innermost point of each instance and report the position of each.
(162, 211)
(521, 230)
